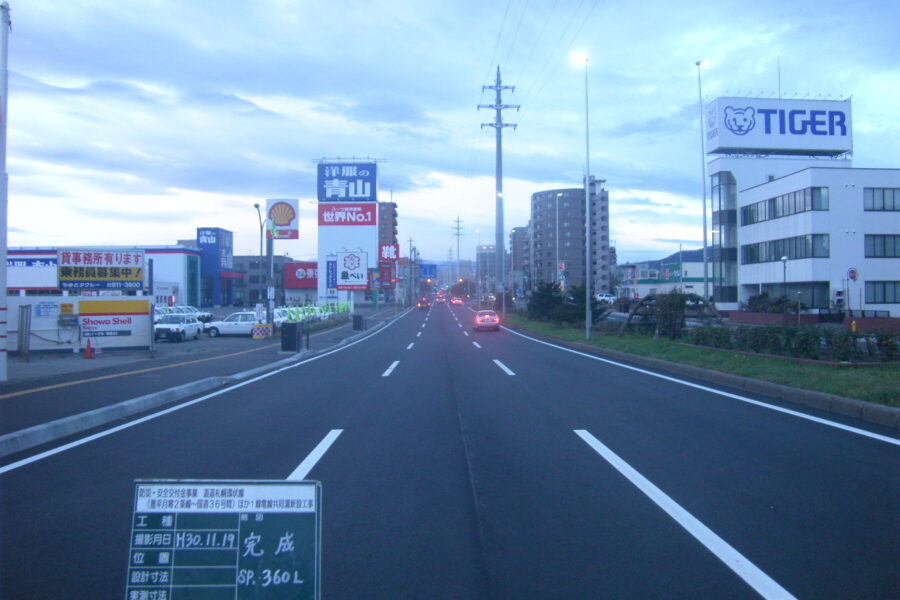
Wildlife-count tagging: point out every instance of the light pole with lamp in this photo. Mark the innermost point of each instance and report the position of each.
(556, 237)
(784, 260)
(703, 181)
(261, 225)
(588, 321)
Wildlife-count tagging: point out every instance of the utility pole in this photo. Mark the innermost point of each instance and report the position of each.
(457, 231)
(4, 179)
(498, 126)
(409, 269)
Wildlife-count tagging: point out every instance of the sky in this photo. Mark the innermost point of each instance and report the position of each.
(136, 122)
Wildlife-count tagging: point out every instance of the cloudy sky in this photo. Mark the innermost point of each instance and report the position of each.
(135, 122)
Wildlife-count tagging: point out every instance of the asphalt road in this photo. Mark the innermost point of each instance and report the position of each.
(487, 465)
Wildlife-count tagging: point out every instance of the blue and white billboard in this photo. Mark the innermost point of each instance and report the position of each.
(347, 182)
(775, 126)
(428, 271)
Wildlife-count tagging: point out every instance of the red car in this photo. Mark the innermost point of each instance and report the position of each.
(456, 300)
(486, 319)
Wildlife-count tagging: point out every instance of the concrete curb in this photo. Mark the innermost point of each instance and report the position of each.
(851, 407)
(30, 437)
(47, 432)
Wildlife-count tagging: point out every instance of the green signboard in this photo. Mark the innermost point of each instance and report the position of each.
(211, 540)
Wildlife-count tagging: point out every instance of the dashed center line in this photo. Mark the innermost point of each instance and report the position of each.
(418, 334)
(466, 333)
(459, 324)
(391, 368)
(476, 344)
(410, 346)
(506, 369)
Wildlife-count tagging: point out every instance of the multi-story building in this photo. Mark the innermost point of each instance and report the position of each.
(558, 237)
(387, 222)
(486, 267)
(519, 257)
(252, 288)
(791, 216)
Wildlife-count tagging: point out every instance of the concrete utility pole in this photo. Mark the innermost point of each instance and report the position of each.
(4, 180)
(457, 231)
(498, 125)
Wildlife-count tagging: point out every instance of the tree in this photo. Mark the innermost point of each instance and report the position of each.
(545, 299)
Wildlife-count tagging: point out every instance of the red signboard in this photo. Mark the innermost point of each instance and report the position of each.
(388, 251)
(348, 213)
(386, 273)
(301, 275)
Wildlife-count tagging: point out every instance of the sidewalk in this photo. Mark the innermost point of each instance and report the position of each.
(53, 395)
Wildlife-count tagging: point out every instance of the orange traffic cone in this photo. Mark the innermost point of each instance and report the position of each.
(88, 351)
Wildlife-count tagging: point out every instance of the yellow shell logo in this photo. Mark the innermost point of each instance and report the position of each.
(282, 214)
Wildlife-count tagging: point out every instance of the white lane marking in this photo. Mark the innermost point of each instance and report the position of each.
(313, 457)
(460, 324)
(423, 325)
(117, 428)
(504, 367)
(410, 346)
(476, 344)
(419, 334)
(466, 333)
(391, 368)
(734, 560)
(787, 411)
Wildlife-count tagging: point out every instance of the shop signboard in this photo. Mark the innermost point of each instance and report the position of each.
(100, 269)
(778, 126)
(386, 272)
(387, 252)
(283, 219)
(106, 319)
(225, 539)
(352, 271)
(301, 275)
(347, 182)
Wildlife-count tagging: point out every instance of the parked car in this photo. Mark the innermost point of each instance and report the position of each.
(239, 323)
(177, 328)
(605, 298)
(486, 319)
(202, 315)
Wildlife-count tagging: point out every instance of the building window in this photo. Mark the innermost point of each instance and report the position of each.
(801, 246)
(881, 198)
(254, 279)
(883, 246)
(804, 200)
(882, 292)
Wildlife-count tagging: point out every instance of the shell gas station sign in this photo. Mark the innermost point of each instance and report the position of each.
(283, 216)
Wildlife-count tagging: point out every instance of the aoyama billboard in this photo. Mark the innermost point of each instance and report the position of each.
(776, 126)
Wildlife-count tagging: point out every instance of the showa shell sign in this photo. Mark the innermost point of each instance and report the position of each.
(283, 219)
(352, 271)
(100, 269)
(347, 182)
(775, 126)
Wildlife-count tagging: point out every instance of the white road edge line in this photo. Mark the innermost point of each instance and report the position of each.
(764, 585)
(504, 367)
(313, 457)
(410, 346)
(117, 428)
(391, 368)
(787, 411)
(476, 344)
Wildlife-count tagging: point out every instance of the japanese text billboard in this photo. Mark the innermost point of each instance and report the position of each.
(775, 126)
(352, 271)
(348, 214)
(388, 251)
(301, 275)
(347, 182)
(387, 273)
(283, 219)
(100, 269)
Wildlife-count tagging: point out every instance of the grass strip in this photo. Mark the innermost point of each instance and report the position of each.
(877, 384)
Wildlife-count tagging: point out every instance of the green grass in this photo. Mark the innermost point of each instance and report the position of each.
(872, 384)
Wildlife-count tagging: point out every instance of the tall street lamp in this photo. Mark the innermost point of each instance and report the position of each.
(703, 181)
(556, 237)
(587, 202)
(261, 225)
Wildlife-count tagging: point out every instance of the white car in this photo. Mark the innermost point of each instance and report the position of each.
(177, 327)
(605, 298)
(239, 323)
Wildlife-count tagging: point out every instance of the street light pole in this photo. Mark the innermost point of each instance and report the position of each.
(703, 182)
(588, 321)
(261, 256)
(784, 260)
(556, 237)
